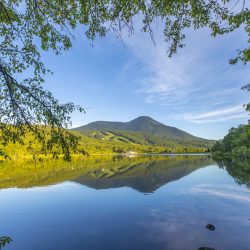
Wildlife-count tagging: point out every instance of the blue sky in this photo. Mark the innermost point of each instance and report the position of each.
(196, 90)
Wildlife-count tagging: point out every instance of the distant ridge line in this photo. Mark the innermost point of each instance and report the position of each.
(144, 124)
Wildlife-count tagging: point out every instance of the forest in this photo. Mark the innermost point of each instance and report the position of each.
(236, 143)
(92, 143)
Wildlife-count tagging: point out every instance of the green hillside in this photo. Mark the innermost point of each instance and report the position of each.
(145, 131)
(109, 142)
(148, 136)
(102, 142)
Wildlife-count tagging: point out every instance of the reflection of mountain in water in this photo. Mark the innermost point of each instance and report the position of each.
(145, 173)
(144, 176)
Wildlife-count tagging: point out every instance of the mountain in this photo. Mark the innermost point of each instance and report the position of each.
(146, 130)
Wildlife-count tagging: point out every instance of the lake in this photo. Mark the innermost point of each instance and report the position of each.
(150, 202)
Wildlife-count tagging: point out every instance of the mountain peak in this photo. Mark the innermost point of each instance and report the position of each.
(144, 118)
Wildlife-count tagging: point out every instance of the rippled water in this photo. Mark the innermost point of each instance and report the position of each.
(140, 203)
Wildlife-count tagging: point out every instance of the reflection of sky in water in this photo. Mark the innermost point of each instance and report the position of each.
(71, 216)
(222, 191)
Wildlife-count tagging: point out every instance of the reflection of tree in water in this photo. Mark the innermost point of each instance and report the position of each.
(5, 240)
(239, 169)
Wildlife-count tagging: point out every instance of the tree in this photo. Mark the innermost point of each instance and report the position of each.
(4, 240)
(29, 26)
(247, 106)
(217, 147)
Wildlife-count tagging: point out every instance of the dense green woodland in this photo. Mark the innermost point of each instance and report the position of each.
(235, 143)
(100, 142)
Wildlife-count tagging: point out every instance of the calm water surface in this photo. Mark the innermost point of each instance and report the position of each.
(157, 203)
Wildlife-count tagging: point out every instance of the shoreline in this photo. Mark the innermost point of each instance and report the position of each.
(150, 154)
(74, 156)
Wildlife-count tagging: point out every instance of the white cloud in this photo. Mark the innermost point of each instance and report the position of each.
(219, 115)
(198, 80)
(161, 79)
